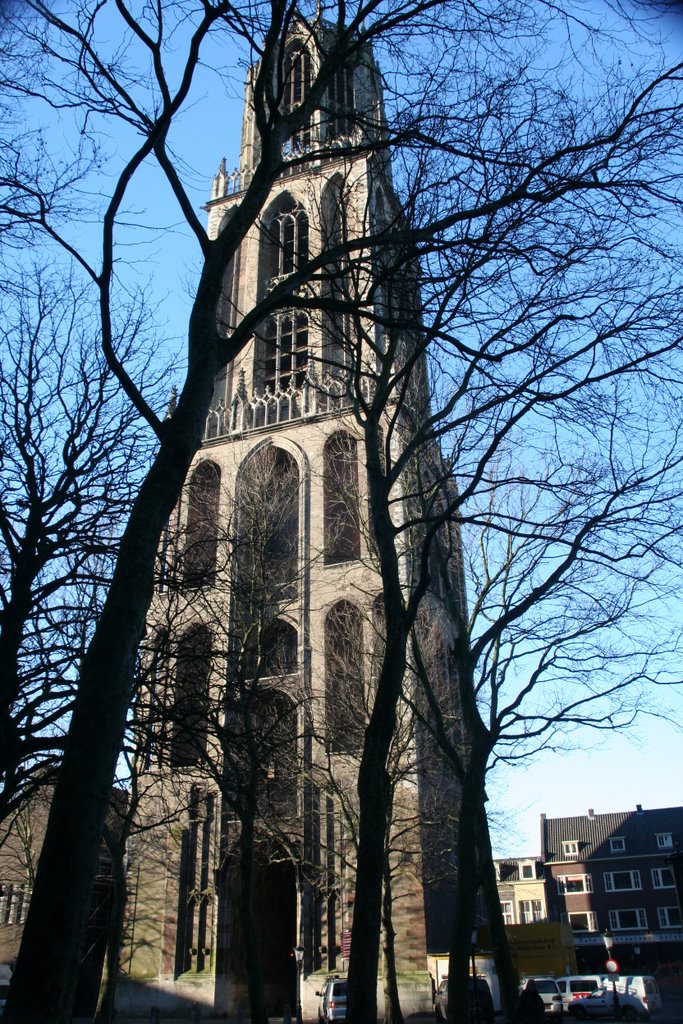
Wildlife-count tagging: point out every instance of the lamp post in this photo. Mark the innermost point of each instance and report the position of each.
(612, 966)
(299, 957)
(473, 949)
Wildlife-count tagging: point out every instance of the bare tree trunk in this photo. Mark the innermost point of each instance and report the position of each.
(502, 954)
(465, 898)
(392, 1005)
(252, 960)
(104, 1011)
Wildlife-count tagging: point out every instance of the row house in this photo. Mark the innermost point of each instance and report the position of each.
(613, 874)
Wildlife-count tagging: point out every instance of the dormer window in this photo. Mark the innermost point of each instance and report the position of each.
(665, 841)
(617, 844)
(527, 871)
(570, 849)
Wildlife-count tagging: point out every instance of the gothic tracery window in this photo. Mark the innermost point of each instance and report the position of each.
(284, 340)
(189, 713)
(284, 240)
(340, 485)
(339, 103)
(345, 711)
(201, 537)
(296, 83)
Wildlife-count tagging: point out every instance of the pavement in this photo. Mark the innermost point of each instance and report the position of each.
(672, 1013)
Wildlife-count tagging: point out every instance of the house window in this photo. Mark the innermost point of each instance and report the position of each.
(620, 881)
(665, 840)
(508, 911)
(581, 921)
(530, 911)
(340, 483)
(528, 871)
(617, 844)
(14, 900)
(570, 849)
(574, 883)
(669, 917)
(627, 920)
(662, 878)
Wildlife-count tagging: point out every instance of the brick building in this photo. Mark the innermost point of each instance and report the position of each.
(612, 873)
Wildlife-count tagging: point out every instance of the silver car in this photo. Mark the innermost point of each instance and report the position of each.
(332, 1005)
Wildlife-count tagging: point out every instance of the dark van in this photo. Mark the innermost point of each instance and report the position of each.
(480, 1000)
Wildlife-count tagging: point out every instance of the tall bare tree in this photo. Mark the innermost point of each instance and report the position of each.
(539, 212)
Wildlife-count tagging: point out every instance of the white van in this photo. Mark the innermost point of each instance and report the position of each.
(642, 988)
(578, 986)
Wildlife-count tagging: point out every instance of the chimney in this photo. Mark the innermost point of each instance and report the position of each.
(591, 813)
(639, 808)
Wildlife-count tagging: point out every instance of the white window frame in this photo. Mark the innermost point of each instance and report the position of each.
(591, 919)
(508, 910)
(527, 867)
(570, 849)
(658, 878)
(617, 844)
(562, 881)
(615, 920)
(665, 841)
(664, 917)
(633, 887)
(536, 914)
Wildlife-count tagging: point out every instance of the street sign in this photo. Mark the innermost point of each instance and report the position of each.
(612, 966)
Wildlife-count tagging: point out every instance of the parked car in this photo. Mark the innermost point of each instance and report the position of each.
(479, 998)
(637, 998)
(5, 978)
(577, 986)
(332, 1006)
(549, 991)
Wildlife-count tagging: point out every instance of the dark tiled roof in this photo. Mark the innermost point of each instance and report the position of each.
(639, 829)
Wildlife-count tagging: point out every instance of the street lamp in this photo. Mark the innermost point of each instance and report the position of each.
(611, 966)
(299, 957)
(473, 948)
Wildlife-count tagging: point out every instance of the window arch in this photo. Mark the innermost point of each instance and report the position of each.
(201, 538)
(336, 323)
(284, 240)
(341, 499)
(189, 716)
(266, 567)
(283, 343)
(345, 713)
(339, 103)
(274, 653)
(296, 84)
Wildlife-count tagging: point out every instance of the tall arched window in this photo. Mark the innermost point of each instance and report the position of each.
(337, 284)
(340, 485)
(266, 566)
(345, 711)
(201, 538)
(284, 240)
(284, 343)
(338, 110)
(273, 654)
(296, 83)
(189, 715)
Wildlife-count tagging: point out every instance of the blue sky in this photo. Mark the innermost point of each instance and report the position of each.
(613, 772)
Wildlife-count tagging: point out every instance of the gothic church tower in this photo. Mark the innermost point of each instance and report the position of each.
(270, 611)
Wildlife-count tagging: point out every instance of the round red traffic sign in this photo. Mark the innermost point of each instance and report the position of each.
(612, 966)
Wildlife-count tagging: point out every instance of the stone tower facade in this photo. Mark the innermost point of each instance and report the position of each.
(269, 617)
